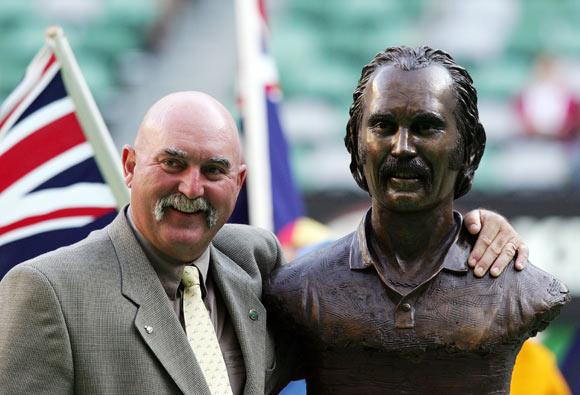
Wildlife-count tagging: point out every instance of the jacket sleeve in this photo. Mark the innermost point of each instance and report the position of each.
(35, 350)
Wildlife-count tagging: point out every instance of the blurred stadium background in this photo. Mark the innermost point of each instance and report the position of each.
(524, 56)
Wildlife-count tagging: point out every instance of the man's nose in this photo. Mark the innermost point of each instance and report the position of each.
(403, 145)
(192, 183)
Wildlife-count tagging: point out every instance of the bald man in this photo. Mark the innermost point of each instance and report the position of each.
(109, 315)
(106, 315)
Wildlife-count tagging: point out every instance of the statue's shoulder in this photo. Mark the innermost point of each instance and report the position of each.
(542, 287)
(291, 288)
(533, 295)
(532, 285)
(520, 303)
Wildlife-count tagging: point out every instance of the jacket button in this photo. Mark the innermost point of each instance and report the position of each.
(406, 307)
(253, 314)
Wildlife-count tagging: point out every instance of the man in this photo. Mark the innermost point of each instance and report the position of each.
(392, 308)
(106, 316)
(111, 314)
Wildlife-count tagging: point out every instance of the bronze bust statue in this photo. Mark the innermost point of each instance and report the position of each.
(392, 307)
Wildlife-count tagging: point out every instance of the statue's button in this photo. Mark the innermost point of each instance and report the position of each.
(253, 314)
(406, 307)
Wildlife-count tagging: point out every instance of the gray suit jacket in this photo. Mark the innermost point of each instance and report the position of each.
(93, 318)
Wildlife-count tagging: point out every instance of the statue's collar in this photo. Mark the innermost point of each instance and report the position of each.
(455, 260)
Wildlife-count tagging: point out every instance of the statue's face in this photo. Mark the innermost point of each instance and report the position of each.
(409, 138)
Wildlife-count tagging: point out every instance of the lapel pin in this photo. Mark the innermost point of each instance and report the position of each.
(253, 314)
(148, 329)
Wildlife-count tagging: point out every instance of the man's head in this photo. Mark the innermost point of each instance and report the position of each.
(185, 172)
(471, 134)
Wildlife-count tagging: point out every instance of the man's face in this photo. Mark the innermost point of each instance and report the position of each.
(184, 164)
(409, 138)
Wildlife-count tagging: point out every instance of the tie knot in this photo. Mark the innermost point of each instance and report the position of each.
(190, 276)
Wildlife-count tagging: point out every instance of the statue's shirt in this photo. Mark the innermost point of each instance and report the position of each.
(453, 334)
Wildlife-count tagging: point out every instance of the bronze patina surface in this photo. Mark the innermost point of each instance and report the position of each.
(393, 308)
(453, 334)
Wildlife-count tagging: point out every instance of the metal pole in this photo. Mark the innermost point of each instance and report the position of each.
(89, 116)
(252, 90)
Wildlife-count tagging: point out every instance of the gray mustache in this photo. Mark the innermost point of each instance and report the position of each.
(182, 203)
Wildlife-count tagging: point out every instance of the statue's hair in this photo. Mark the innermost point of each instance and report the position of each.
(472, 133)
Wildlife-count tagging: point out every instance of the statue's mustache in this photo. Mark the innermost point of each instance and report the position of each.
(405, 168)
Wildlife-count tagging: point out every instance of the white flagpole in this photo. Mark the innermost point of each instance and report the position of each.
(252, 91)
(89, 116)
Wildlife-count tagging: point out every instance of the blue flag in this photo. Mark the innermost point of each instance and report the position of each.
(287, 205)
(571, 364)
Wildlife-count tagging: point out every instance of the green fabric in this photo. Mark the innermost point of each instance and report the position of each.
(558, 338)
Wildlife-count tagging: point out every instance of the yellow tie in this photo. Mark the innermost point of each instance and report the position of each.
(202, 337)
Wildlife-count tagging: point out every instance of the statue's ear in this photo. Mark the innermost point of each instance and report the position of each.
(465, 176)
(479, 145)
(463, 182)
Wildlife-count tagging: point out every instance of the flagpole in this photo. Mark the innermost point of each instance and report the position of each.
(254, 112)
(89, 116)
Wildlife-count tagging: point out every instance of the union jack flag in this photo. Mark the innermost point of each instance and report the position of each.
(51, 190)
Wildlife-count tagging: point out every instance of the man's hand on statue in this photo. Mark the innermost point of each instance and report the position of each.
(496, 245)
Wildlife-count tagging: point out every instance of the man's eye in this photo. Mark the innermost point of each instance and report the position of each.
(214, 170)
(171, 164)
(384, 127)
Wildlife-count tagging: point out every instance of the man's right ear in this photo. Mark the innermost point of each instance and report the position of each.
(128, 164)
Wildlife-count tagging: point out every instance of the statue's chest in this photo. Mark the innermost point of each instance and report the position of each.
(451, 313)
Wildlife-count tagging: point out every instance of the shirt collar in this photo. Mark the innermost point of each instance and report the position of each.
(360, 255)
(202, 264)
(168, 269)
(455, 260)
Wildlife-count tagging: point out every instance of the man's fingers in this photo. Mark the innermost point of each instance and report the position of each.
(505, 241)
(472, 221)
(496, 246)
(481, 245)
(499, 260)
(523, 255)
(484, 263)
(496, 232)
(491, 225)
(505, 257)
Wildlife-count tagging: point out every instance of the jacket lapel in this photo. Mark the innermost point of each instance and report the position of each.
(155, 320)
(235, 288)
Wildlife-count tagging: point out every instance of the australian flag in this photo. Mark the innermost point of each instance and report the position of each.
(51, 190)
(287, 205)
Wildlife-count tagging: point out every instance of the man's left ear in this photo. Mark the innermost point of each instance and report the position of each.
(242, 175)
